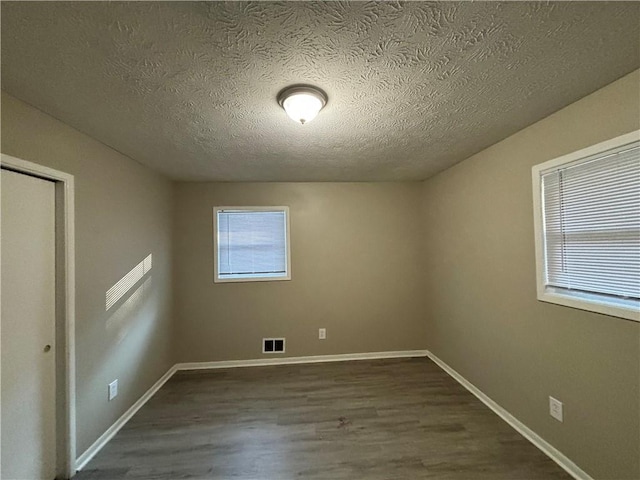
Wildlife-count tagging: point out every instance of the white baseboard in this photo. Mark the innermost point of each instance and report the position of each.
(261, 362)
(83, 459)
(525, 431)
(548, 449)
(113, 429)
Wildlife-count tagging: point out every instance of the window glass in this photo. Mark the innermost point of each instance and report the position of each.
(251, 243)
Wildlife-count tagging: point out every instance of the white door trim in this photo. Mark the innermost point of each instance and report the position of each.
(65, 308)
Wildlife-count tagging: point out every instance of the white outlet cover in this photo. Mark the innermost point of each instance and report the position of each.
(555, 409)
(322, 333)
(113, 389)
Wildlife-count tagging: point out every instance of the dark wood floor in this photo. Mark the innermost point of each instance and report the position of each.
(381, 419)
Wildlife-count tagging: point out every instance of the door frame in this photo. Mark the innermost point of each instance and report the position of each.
(65, 307)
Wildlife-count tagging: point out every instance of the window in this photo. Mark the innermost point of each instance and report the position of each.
(587, 224)
(251, 244)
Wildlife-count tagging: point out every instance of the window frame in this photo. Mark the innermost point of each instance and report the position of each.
(593, 302)
(286, 276)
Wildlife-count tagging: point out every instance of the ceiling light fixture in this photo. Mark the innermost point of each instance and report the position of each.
(302, 102)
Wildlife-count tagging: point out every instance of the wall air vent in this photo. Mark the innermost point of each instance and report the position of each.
(273, 345)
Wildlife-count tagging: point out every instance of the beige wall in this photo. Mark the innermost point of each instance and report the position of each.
(483, 318)
(354, 262)
(357, 271)
(123, 213)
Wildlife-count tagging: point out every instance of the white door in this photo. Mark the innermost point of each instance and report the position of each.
(27, 406)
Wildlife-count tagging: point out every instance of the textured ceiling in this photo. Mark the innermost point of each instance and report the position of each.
(189, 88)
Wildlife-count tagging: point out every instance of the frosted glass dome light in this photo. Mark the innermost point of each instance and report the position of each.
(302, 103)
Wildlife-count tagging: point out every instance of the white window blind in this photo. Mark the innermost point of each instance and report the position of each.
(591, 217)
(251, 244)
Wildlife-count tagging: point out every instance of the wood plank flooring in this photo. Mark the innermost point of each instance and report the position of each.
(373, 420)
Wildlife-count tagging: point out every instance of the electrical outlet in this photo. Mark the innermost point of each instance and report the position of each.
(555, 408)
(113, 389)
(322, 333)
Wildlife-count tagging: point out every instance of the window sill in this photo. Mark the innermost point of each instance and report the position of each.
(628, 309)
(251, 279)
